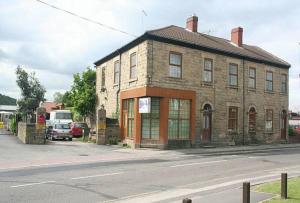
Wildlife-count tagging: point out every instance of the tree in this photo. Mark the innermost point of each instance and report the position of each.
(31, 90)
(58, 97)
(83, 92)
(67, 99)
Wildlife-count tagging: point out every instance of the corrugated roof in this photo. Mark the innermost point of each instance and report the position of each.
(180, 36)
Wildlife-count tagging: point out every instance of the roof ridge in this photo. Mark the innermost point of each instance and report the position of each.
(162, 28)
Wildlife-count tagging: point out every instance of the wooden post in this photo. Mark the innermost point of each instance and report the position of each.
(284, 186)
(246, 192)
(186, 200)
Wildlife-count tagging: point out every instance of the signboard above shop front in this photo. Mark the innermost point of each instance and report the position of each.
(145, 105)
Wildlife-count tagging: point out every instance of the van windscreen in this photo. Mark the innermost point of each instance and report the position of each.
(63, 115)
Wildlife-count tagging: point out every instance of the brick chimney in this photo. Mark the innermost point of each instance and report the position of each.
(237, 36)
(192, 23)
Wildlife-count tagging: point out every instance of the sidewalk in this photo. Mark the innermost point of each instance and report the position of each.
(242, 149)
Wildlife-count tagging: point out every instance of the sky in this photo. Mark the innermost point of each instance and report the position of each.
(55, 45)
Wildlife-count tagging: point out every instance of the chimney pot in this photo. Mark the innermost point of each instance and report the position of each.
(192, 23)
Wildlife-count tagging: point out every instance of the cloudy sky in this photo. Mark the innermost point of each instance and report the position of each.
(55, 44)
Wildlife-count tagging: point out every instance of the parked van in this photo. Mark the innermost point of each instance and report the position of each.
(60, 116)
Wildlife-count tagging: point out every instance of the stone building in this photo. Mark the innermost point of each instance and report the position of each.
(176, 87)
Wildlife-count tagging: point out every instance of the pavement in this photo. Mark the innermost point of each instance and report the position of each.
(65, 171)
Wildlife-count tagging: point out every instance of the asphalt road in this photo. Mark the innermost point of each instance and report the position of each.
(162, 177)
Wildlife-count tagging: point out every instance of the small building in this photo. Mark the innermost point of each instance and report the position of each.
(5, 112)
(177, 87)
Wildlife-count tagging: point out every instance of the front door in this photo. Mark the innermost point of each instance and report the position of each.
(283, 124)
(207, 124)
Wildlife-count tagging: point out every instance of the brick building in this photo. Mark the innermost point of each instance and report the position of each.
(200, 89)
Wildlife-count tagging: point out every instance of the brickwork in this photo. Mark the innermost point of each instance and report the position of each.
(153, 71)
(30, 133)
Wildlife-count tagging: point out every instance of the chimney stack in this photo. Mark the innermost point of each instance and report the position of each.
(237, 36)
(192, 23)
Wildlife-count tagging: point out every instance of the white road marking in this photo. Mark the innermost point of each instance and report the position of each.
(197, 163)
(100, 175)
(30, 184)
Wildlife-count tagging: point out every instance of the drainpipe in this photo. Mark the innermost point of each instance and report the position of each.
(119, 81)
(243, 101)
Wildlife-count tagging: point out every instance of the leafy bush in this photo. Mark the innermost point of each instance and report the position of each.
(13, 124)
(291, 131)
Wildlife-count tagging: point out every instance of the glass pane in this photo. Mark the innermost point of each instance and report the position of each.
(175, 59)
(207, 64)
(133, 59)
(133, 72)
(184, 109)
(184, 129)
(175, 71)
(207, 76)
(173, 108)
(233, 80)
(269, 125)
(269, 76)
(172, 129)
(233, 69)
(146, 128)
(269, 86)
(252, 72)
(251, 83)
(154, 128)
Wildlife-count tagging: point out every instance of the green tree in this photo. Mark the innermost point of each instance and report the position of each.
(67, 99)
(31, 90)
(83, 92)
(58, 97)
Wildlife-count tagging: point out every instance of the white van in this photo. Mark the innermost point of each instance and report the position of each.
(60, 116)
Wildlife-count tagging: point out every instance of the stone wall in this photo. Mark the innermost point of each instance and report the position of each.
(30, 133)
(108, 97)
(110, 135)
(219, 94)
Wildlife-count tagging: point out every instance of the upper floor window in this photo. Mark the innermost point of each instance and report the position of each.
(283, 86)
(103, 78)
(233, 74)
(133, 66)
(208, 68)
(269, 119)
(116, 72)
(175, 65)
(269, 81)
(252, 78)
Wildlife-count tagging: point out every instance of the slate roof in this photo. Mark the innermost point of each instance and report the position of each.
(183, 37)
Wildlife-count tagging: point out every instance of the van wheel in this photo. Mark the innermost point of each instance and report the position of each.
(70, 139)
(52, 138)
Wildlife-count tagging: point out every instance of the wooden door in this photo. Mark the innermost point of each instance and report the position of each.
(283, 124)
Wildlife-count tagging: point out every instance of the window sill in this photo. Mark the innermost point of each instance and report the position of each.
(251, 89)
(133, 80)
(269, 92)
(232, 87)
(174, 78)
(283, 94)
(268, 132)
(207, 84)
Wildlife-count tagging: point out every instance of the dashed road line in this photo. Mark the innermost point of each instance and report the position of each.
(94, 176)
(31, 184)
(197, 163)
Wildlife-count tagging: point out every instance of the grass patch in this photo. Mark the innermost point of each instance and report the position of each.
(275, 188)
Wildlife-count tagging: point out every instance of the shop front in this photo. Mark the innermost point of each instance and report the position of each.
(158, 117)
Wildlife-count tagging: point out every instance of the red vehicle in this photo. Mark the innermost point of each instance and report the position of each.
(77, 128)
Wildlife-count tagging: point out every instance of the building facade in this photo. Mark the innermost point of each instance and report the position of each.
(196, 89)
